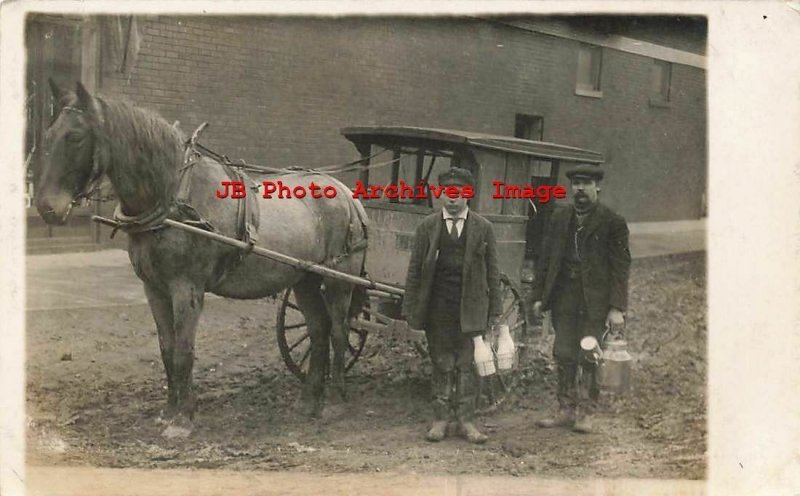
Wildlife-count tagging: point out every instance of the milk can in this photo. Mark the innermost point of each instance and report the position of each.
(614, 371)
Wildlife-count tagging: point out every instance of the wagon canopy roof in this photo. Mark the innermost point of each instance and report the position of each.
(449, 138)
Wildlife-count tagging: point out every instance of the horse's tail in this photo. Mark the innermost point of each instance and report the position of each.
(359, 223)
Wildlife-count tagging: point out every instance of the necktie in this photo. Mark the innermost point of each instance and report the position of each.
(577, 242)
(454, 228)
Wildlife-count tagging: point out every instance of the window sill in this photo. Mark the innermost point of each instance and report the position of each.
(589, 93)
(657, 102)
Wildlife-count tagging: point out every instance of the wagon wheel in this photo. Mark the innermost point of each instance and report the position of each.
(493, 390)
(294, 340)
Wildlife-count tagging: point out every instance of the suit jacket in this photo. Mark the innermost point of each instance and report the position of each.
(605, 259)
(480, 284)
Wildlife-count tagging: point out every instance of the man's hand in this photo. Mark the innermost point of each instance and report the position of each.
(615, 321)
(537, 309)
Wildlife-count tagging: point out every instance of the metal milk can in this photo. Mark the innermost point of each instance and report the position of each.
(614, 371)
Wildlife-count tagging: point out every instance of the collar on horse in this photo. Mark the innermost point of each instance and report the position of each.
(149, 220)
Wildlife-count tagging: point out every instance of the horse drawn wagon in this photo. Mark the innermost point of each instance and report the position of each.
(184, 243)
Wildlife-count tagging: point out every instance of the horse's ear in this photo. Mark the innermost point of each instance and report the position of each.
(85, 100)
(60, 96)
(58, 93)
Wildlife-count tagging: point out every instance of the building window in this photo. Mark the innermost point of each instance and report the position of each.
(530, 127)
(661, 82)
(590, 62)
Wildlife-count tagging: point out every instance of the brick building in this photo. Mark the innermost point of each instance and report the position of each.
(277, 90)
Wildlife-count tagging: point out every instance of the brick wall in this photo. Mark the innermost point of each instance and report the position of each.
(276, 91)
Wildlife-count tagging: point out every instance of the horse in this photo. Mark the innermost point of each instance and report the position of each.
(144, 158)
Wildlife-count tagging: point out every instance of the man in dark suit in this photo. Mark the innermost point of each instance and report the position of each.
(582, 278)
(453, 292)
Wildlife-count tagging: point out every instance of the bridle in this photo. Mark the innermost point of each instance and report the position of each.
(98, 170)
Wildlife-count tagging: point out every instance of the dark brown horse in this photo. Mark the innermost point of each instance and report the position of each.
(142, 155)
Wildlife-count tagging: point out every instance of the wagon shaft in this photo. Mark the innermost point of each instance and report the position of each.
(275, 256)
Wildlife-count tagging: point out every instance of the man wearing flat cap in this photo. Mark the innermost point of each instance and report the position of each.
(582, 278)
(452, 291)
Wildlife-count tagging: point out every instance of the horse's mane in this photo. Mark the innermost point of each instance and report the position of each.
(141, 147)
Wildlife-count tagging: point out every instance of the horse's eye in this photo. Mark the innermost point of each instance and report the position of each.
(74, 137)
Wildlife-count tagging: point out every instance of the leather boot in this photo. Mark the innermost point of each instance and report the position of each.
(472, 434)
(583, 422)
(464, 401)
(437, 432)
(566, 397)
(588, 394)
(564, 418)
(442, 389)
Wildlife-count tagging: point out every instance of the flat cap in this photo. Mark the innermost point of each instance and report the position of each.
(456, 176)
(586, 170)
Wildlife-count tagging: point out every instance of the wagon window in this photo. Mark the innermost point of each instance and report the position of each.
(407, 166)
(420, 166)
(516, 176)
(541, 168)
(406, 172)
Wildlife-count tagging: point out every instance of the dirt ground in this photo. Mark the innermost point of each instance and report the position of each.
(95, 388)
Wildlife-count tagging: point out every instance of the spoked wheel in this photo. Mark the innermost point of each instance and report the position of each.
(493, 389)
(294, 340)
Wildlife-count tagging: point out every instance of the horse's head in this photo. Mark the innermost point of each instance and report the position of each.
(68, 165)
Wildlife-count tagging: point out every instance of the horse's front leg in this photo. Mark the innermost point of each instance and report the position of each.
(187, 304)
(309, 299)
(161, 308)
(337, 297)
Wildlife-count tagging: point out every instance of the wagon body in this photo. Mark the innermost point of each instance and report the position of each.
(420, 154)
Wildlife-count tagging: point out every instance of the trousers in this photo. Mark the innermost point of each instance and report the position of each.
(453, 380)
(577, 378)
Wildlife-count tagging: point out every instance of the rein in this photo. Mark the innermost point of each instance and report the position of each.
(327, 169)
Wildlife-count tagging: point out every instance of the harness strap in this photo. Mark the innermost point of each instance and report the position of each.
(360, 245)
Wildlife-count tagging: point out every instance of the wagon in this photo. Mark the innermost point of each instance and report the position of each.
(414, 155)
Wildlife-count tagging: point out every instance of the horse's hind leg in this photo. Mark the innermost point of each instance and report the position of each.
(337, 297)
(309, 299)
(161, 308)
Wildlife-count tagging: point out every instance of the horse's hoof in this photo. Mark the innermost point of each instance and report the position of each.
(335, 411)
(338, 396)
(165, 417)
(176, 432)
(311, 408)
(178, 428)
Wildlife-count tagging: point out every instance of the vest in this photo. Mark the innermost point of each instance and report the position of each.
(571, 268)
(446, 287)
